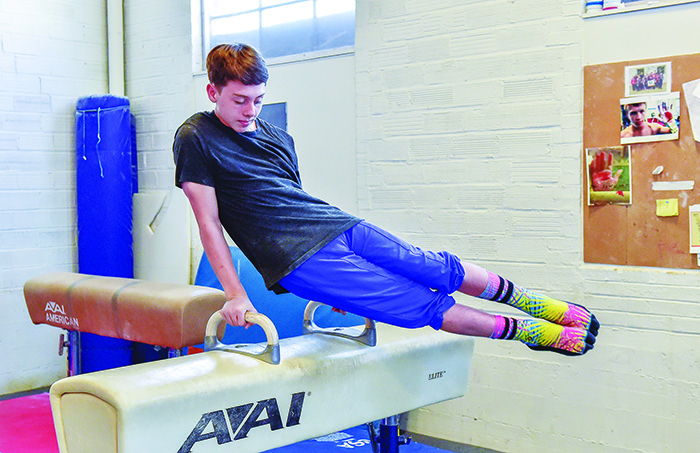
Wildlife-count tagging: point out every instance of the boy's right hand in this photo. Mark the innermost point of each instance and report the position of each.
(234, 311)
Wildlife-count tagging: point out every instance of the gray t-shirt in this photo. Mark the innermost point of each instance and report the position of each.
(262, 205)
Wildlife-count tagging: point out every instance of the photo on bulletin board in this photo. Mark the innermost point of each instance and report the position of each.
(609, 175)
(645, 119)
(647, 79)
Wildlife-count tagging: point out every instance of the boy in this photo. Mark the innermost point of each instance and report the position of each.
(240, 173)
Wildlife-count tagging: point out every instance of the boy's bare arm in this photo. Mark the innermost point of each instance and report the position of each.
(203, 201)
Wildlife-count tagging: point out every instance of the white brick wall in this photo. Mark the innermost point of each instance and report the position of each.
(158, 82)
(469, 139)
(51, 54)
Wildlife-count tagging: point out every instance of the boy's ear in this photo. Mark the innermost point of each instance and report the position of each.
(212, 92)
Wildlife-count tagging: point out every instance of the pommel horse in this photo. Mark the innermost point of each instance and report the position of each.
(243, 398)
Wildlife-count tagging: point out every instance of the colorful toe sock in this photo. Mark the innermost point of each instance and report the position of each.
(543, 335)
(566, 314)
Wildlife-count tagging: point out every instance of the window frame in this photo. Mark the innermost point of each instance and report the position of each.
(201, 41)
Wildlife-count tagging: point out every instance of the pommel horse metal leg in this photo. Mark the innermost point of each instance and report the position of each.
(389, 438)
(73, 347)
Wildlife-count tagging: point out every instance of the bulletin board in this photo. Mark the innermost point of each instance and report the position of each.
(634, 233)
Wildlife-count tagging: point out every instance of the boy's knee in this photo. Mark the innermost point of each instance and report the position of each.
(455, 276)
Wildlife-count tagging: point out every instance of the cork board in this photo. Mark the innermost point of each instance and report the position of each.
(634, 234)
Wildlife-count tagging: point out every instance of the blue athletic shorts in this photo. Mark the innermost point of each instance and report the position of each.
(372, 273)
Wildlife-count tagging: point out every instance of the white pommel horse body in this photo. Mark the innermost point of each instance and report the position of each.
(225, 401)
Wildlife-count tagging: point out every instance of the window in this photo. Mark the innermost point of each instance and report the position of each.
(279, 28)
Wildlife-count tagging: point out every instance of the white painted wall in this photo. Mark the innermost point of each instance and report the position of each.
(51, 54)
(469, 119)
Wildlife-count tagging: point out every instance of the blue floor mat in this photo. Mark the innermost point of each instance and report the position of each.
(356, 439)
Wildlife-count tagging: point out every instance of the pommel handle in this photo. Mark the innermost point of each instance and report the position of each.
(368, 336)
(269, 354)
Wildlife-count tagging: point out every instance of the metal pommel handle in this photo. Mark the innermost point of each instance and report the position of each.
(368, 336)
(269, 354)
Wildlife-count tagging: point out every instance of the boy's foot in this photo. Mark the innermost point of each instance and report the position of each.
(577, 316)
(565, 314)
(557, 311)
(545, 336)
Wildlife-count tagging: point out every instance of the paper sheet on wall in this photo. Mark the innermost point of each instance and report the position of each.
(667, 208)
(692, 100)
(694, 228)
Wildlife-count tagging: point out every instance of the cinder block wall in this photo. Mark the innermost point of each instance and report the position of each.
(469, 139)
(158, 54)
(51, 54)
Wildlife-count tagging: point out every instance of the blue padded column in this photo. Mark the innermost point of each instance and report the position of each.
(105, 184)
